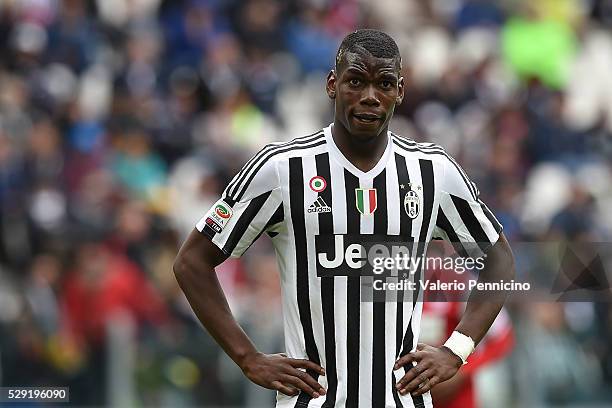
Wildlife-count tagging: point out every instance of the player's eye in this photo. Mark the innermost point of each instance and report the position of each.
(355, 82)
(386, 84)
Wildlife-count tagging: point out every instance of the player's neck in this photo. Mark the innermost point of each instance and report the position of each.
(363, 154)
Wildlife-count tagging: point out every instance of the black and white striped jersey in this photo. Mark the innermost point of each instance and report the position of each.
(317, 207)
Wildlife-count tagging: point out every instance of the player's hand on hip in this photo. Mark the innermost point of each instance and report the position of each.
(433, 366)
(284, 374)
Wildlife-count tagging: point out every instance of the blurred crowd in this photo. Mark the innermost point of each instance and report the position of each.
(122, 120)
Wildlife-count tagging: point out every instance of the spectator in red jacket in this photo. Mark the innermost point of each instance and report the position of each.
(104, 283)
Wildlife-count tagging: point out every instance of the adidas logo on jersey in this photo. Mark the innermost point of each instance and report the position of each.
(319, 206)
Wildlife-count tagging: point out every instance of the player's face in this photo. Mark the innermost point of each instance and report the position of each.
(366, 90)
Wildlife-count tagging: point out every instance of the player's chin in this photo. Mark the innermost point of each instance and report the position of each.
(366, 131)
(365, 134)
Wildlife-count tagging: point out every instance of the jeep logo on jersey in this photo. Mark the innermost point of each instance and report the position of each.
(412, 203)
(354, 254)
(365, 199)
(317, 184)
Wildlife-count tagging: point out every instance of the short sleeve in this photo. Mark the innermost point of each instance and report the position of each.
(250, 205)
(463, 219)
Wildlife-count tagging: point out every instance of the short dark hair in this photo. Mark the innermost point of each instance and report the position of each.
(374, 42)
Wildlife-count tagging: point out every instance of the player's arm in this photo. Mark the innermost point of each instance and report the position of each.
(475, 232)
(437, 364)
(194, 269)
(251, 205)
(482, 308)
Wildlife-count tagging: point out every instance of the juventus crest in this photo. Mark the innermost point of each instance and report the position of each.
(412, 202)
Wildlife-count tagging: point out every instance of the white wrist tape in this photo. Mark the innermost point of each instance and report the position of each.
(461, 345)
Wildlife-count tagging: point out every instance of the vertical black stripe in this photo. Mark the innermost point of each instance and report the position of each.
(379, 375)
(406, 234)
(244, 221)
(380, 215)
(326, 226)
(427, 177)
(471, 222)
(427, 181)
(296, 197)
(353, 298)
(403, 179)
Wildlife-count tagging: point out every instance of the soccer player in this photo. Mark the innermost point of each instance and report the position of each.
(320, 198)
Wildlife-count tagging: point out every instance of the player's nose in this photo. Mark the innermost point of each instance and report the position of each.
(369, 97)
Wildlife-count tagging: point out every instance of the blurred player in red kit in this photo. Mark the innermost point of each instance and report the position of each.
(439, 319)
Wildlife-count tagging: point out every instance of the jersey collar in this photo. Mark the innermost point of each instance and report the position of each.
(339, 156)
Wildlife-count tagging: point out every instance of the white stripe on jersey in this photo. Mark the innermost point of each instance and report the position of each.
(367, 314)
(340, 283)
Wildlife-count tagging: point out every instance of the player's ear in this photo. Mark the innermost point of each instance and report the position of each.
(400, 91)
(330, 85)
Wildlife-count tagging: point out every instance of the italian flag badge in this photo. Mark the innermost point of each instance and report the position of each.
(366, 200)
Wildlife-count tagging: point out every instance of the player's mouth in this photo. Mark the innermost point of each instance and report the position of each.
(367, 117)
